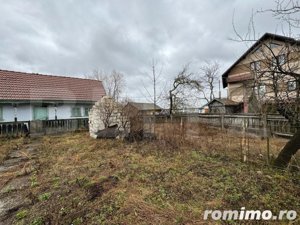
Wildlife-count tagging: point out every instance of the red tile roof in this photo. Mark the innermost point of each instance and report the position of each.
(31, 86)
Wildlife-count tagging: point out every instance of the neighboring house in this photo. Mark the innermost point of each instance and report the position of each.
(30, 96)
(143, 108)
(249, 77)
(137, 113)
(224, 105)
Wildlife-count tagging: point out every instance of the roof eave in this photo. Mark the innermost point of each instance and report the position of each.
(24, 101)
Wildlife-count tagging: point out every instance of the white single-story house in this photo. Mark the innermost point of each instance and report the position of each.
(31, 96)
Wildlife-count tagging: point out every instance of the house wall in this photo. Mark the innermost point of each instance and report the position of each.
(217, 107)
(25, 112)
(236, 92)
(241, 90)
(97, 116)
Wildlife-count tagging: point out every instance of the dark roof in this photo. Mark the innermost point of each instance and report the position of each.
(32, 86)
(258, 42)
(144, 106)
(225, 101)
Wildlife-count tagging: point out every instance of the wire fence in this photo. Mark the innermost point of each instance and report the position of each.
(261, 125)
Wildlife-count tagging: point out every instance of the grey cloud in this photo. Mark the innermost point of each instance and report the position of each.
(75, 37)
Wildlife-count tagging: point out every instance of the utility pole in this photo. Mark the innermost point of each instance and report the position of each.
(154, 94)
(154, 85)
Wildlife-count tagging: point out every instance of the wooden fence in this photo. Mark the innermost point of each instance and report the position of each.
(261, 125)
(42, 127)
(14, 128)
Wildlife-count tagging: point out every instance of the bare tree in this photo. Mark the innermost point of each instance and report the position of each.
(183, 80)
(114, 82)
(110, 105)
(155, 95)
(209, 77)
(278, 83)
(277, 78)
(124, 116)
(107, 106)
(287, 11)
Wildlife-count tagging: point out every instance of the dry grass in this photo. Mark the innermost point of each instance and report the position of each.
(170, 181)
(227, 142)
(7, 145)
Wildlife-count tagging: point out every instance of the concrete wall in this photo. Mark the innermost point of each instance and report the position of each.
(98, 111)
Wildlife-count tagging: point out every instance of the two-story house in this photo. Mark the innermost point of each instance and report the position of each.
(268, 69)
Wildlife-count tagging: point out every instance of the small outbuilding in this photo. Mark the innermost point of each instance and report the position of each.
(143, 109)
(224, 105)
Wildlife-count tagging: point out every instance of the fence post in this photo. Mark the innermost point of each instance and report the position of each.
(244, 142)
(222, 122)
(266, 135)
(181, 126)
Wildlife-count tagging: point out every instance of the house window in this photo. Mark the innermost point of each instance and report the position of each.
(255, 66)
(40, 113)
(273, 45)
(261, 90)
(86, 111)
(76, 112)
(1, 113)
(280, 59)
(292, 85)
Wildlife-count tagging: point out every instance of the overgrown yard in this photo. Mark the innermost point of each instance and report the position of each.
(80, 180)
(6, 145)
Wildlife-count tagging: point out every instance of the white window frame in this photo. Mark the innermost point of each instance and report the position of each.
(255, 66)
(292, 85)
(261, 90)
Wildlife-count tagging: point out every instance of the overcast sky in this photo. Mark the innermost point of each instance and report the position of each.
(75, 37)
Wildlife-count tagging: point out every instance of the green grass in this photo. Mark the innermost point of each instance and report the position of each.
(114, 182)
(21, 214)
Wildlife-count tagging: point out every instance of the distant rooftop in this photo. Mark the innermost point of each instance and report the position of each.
(144, 106)
(225, 101)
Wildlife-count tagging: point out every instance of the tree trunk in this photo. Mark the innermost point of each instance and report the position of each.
(288, 151)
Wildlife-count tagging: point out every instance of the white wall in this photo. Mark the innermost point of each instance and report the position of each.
(25, 112)
(8, 113)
